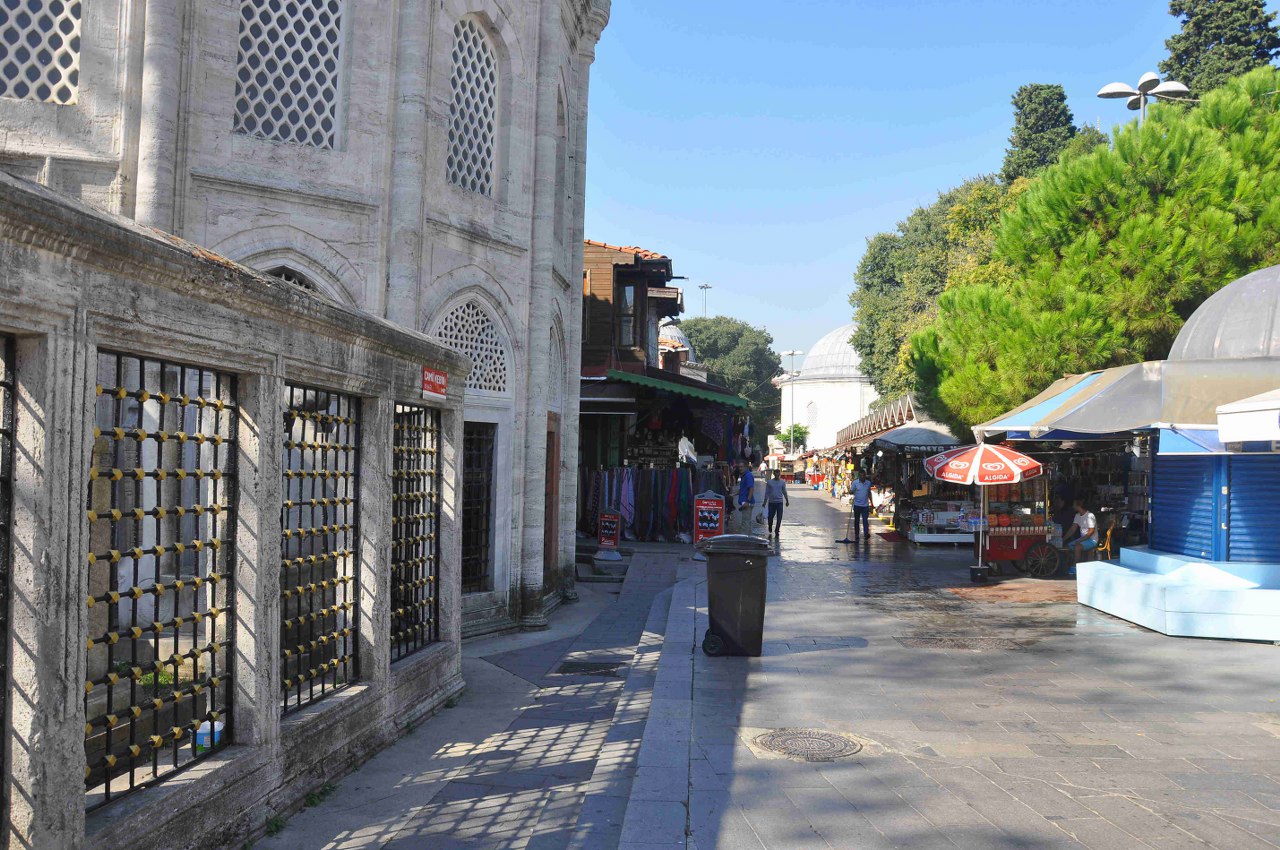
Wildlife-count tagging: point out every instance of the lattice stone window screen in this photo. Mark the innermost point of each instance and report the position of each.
(415, 546)
(469, 329)
(287, 74)
(294, 277)
(157, 694)
(40, 50)
(473, 114)
(319, 565)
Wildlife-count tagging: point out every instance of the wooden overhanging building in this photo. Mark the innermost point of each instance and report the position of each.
(642, 388)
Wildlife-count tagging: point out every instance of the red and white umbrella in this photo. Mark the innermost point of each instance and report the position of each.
(983, 465)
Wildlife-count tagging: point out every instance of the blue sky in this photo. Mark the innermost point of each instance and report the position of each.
(760, 142)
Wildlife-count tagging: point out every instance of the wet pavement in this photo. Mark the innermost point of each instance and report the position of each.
(983, 724)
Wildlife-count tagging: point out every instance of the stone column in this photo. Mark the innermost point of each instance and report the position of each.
(49, 582)
(374, 544)
(408, 160)
(542, 294)
(160, 99)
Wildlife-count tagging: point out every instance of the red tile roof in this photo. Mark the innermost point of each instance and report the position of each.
(642, 253)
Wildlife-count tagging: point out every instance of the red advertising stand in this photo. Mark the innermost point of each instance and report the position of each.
(708, 514)
(610, 528)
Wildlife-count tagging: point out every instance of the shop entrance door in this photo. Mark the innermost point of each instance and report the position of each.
(551, 508)
(478, 443)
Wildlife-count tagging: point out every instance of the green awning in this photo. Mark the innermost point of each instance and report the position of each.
(672, 387)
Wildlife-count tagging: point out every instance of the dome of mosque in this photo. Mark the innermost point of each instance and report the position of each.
(1240, 320)
(670, 336)
(833, 356)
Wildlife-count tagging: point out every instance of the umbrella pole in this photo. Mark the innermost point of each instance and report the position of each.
(981, 526)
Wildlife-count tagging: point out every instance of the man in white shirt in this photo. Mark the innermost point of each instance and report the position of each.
(862, 506)
(1086, 530)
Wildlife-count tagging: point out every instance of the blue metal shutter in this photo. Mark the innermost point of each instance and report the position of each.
(1254, 532)
(1182, 505)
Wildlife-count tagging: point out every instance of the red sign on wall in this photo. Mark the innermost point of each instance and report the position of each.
(610, 528)
(435, 384)
(708, 518)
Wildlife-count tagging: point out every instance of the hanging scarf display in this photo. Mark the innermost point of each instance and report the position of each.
(655, 504)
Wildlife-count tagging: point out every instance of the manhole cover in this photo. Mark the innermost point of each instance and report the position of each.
(809, 744)
(588, 668)
(970, 643)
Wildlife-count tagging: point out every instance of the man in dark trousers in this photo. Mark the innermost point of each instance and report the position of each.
(862, 506)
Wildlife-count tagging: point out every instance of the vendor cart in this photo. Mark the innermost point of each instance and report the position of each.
(1015, 519)
(1012, 523)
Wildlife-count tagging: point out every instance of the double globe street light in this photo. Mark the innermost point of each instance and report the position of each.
(1148, 87)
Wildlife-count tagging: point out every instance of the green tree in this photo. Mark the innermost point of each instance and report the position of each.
(901, 274)
(1219, 39)
(1086, 139)
(741, 356)
(1042, 127)
(796, 435)
(1106, 254)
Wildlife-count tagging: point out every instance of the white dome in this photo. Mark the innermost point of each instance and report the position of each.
(833, 356)
(1240, 320)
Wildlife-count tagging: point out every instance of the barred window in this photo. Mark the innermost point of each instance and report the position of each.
(415, 546)
(294, 277)
(468, 328)
(161, 569)
(319, 563)
(287, 72)
(473, 113)
(40, 50)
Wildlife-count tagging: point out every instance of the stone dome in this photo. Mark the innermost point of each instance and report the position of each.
(1240, 320)
(670, 336)
(833, 356)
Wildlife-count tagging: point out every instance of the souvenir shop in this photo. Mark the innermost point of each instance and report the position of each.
(649, 445)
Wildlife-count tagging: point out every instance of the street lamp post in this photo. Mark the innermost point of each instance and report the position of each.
(704, 287)
(1148, 87)
(791, 432)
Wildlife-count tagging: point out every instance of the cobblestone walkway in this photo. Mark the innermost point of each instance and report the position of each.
(529, 752)
(983, 724)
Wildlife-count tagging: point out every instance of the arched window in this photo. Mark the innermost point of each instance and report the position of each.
(287, 71)
(473, 112)
(294, 277)
(811, 414)
(40, 50)
(470, 329)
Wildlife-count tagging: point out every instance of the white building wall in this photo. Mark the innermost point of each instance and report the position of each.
(373, 221)
(825, 406)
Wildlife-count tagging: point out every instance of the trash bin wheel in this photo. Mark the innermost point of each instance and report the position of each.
(712, 644)
(1041, 560)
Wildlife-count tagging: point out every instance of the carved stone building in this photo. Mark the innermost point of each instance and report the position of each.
(420, 161)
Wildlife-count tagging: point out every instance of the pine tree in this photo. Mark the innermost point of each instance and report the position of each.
(1220, 39)
(1042, 127)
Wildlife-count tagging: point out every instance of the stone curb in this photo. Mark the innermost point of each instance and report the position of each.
(657, 812)
(600, 819)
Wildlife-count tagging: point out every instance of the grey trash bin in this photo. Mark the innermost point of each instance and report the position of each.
(737, 576)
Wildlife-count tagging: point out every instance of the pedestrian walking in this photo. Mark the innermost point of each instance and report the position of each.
(746, 498)
(775, 496)
(862, 506)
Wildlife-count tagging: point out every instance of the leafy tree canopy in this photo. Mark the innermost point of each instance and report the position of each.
(1219, 39)
(1042, 127)
(796, 434)
(1101, 260)
(739, 354)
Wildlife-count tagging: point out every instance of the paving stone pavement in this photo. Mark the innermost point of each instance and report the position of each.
(1073, 729)
(529, 758)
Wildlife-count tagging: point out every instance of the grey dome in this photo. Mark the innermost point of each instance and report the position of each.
(671, 336)
(833, 356)
(1240, 320)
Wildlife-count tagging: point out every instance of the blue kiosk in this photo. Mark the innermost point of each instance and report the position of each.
(1211, 567)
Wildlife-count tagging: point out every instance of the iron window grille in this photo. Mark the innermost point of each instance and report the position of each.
(6, 519)
(319, 567)
(477, 504)
(415, 544)
(161, 515)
